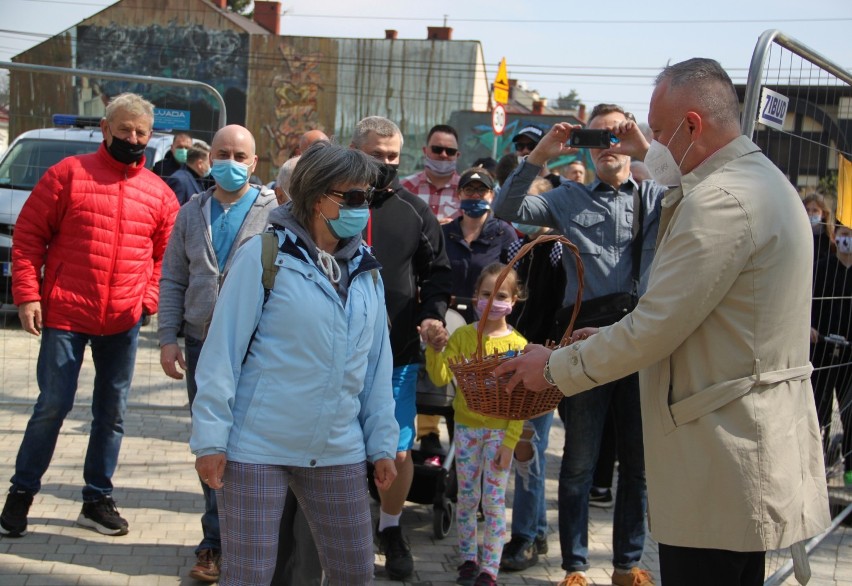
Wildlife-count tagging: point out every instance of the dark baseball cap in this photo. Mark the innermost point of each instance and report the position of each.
(532, 132)
(477, 174)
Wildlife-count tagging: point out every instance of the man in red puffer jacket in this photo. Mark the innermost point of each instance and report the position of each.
(97, 225)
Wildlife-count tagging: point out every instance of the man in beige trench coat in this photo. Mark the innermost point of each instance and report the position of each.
(732, 446)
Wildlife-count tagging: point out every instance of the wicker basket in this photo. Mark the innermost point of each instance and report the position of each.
(484, 392)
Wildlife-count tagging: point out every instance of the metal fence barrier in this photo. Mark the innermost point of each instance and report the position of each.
(798, 108)
(37, 94)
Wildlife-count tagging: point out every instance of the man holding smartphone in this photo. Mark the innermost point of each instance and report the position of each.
(602, 219)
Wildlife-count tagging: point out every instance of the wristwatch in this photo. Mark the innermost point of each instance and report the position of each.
(547, 376)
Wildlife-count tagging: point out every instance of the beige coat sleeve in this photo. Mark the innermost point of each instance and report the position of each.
(708, 247)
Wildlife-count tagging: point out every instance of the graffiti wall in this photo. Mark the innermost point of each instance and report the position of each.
(296, 86)
(291, 91)
(301, 83)
(175, 50)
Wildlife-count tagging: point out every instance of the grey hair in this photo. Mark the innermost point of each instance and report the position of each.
(378, 124)
(708, 84)
(131, 103)
(285, 173)
(321, 167)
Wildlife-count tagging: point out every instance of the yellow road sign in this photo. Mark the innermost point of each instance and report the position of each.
(501, 84)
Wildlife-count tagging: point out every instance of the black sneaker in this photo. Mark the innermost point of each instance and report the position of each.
(102, 516)
(519, 554)
(398, 561)
(600, 497)
(468, 572)
(13, 521)
(541, 544)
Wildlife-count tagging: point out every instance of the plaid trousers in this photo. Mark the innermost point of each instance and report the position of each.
(335, 502)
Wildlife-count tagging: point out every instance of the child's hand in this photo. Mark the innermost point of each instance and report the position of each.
(503, 459)
(433, 333)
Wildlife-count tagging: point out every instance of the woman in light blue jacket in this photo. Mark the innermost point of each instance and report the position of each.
(294, 383)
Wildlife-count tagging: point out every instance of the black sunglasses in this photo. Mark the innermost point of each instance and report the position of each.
(354, 198)
(437, 150)
(523, 145)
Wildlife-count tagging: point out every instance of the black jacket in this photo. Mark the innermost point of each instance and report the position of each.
(831, 311)
(165, 167)
(468, 259)
(544, 285)
(408, 243)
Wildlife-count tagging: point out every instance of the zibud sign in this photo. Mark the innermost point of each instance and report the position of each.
(773, 109)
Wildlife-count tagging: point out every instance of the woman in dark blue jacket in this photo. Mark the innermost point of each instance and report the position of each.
(475, 239)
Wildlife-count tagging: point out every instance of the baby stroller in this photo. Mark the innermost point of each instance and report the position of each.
(434, 479)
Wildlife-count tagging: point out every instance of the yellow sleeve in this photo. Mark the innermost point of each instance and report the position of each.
(437, 363)
(513, 433)
(437, 367)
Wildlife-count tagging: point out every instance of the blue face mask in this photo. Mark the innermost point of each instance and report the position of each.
(349, 223)
(526, 229)
(475, 208)
(229, 174)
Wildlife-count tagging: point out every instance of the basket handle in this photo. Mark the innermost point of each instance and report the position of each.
(544, 238)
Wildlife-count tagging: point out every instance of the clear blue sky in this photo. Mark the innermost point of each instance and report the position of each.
(552, 45)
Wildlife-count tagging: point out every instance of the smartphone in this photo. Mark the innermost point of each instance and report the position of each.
(591, 138)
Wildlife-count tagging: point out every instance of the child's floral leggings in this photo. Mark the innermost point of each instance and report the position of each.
(476, 452)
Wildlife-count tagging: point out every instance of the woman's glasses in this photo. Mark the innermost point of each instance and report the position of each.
(354, 198)
(437, 150)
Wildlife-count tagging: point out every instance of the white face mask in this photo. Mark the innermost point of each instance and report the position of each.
(844, 244)
(661, 163)
(440, 168)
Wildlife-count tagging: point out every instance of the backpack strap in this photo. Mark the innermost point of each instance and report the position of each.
(268, 254)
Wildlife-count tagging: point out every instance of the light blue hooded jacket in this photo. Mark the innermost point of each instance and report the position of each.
(304, 379)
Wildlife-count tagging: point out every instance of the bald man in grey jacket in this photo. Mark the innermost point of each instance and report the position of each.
(190, 282)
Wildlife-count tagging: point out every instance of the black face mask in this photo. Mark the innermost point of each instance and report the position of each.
(387, 173)
(126, 152)
(383, 184)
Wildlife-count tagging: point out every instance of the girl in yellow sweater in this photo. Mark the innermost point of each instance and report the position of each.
(484, 445)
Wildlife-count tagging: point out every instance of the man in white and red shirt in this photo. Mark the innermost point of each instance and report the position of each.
(438, 182)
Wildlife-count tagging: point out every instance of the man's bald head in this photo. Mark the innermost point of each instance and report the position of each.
(234, 134)
(310, 137)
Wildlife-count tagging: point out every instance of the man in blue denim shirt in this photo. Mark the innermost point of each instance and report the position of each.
(598, 218)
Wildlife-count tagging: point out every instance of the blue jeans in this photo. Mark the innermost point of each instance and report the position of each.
(210, 518)
(529, 507)
(60, 358)
(584, 416)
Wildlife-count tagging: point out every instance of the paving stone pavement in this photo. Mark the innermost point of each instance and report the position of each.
(158, 492)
